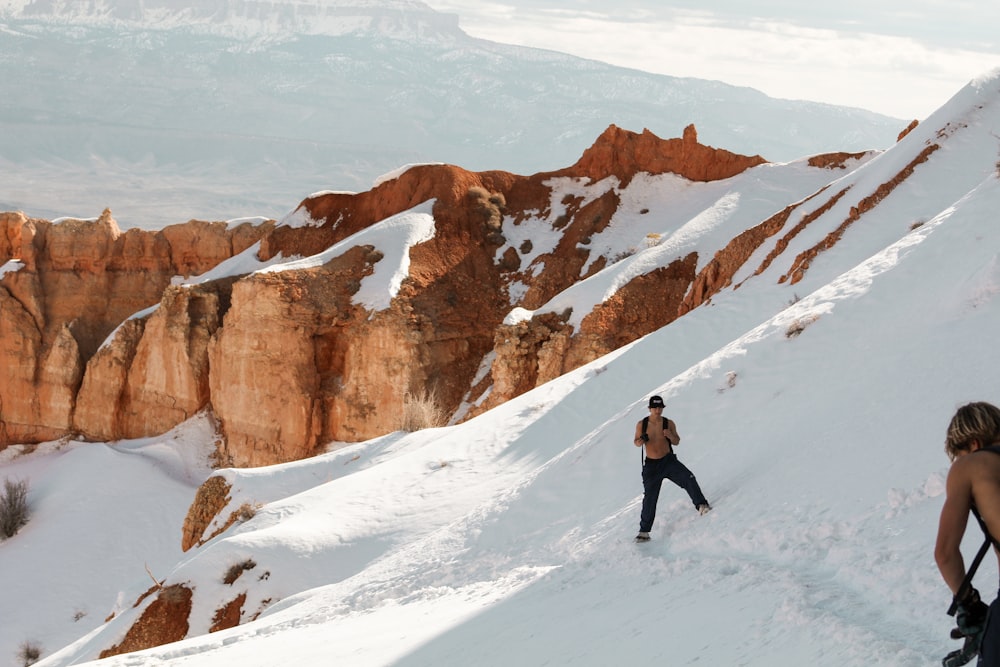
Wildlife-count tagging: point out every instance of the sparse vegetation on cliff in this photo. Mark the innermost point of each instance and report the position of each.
(246, 511)
(235, 570)
(421, 411)
(491, 206)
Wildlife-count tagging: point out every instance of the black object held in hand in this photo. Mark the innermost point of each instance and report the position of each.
(964, 655)
(970, 620)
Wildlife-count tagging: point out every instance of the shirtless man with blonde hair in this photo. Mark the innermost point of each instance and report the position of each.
(973, 486)
(659, 435)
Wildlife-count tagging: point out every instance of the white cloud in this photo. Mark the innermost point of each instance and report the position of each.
(867, 63)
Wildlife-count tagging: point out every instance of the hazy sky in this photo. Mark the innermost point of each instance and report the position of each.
(901, 58)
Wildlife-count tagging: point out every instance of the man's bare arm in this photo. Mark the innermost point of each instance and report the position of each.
(951, 527)
(670, 433)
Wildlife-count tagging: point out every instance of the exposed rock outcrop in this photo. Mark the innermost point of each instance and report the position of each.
(165, 620)
(802, 261)
(77, 281)
(228, 616)
(621, 153)
(211, 498)
(909, 128)
(833, 160)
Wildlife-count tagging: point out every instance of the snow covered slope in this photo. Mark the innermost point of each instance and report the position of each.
(813, 415)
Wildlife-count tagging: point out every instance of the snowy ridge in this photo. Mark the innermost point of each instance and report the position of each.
(393, 237)
(660, 218)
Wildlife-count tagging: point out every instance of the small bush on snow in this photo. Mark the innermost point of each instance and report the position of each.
(235, 570)
(421, 411)
(799, 325)
(13, 507)
(28, 653)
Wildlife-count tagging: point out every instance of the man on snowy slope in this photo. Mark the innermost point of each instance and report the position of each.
(659, 435)
(973, 445)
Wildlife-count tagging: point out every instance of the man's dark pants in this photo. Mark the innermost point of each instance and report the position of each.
(654, 471)
(989, 650)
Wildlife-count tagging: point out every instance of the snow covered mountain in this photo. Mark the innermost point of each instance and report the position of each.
(812, 413)
(164, 112)
(401, 19)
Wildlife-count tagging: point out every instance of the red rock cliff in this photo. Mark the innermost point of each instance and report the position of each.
(75, 283)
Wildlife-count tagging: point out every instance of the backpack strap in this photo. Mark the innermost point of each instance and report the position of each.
(666, 425)
(967, 581)
(642, 450)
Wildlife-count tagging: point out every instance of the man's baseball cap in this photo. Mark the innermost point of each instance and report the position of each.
(655, 402)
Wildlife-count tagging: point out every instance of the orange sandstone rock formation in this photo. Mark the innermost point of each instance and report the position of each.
(76, 282)
(624, 154)
(96, 341)
(165, 620)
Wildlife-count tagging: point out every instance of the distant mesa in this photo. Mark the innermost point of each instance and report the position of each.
(400, 18)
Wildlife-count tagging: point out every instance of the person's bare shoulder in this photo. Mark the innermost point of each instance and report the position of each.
(981, 472)
(981, 466)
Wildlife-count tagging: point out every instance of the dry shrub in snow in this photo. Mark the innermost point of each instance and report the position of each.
(13, 507)
(799, 325)
(28, 653)
(235, 570)
(421, 411)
